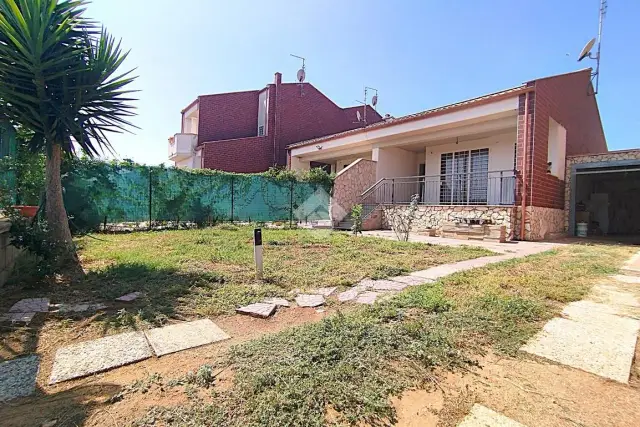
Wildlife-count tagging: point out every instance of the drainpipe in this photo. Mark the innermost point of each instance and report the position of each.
(277, 81)
(524, 167)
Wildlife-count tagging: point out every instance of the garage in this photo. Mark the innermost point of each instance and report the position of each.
(605, 195)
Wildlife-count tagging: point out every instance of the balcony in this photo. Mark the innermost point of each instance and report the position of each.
(181, 146)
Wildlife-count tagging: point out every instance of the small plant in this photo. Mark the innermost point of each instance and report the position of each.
(33, 235)
(356, 217)
(205, 376)
(402, 219)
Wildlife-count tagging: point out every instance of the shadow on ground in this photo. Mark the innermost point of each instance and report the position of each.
(67, 408)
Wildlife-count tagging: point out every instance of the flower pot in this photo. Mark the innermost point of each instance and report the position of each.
(27, 211)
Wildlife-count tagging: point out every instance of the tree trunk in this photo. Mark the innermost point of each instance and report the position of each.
(55, 211)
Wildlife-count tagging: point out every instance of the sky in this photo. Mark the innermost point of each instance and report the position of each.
(418, 54)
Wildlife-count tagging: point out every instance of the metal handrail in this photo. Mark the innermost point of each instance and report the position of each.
(464, 188)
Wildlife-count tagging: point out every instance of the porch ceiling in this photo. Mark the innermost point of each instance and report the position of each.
(497, 116)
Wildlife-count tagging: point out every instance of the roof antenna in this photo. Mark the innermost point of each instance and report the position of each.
(374, 102)
(586, 50)
(302, 74)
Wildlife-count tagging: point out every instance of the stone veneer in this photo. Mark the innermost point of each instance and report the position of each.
(590, 158)
(8, 253)
(540, 223)
(348, 185)
(435, 216)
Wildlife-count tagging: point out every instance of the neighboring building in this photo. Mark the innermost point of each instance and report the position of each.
(249, 131)
(488, 158)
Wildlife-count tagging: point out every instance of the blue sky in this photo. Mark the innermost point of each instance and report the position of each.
(419, 54)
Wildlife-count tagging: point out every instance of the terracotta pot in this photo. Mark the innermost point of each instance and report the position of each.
(28, 211)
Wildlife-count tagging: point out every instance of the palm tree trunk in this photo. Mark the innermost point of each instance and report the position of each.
(55, 211)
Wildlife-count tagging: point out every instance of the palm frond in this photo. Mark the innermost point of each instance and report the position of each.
(59, 75)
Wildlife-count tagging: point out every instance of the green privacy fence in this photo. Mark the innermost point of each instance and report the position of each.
(7, 148)
(99, 192)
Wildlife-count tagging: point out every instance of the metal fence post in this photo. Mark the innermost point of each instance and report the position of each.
(150, 197)
(291, 204)
(232, 196)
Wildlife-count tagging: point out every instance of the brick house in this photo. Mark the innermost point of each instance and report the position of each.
(249, 131)
(486, 159)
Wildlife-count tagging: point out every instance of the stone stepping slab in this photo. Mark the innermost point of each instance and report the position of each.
(307, 300)
(365, 284)
(388, 285)
(603, 345)
(481, 416)
(173, 338)
(368, 297)
(411, 280)
(18, 317)
(325, 292)
(77, 308)
(348, 295)
(18, 377)
(280, 302)
(259, 309)
(129, 297)
(626, 279)
(31, 305)
(82, 359)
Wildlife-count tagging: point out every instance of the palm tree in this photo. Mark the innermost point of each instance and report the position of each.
(58, 78)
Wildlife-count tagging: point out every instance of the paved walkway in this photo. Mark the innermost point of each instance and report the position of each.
(524, 248)
(597, 334)
(368, 291)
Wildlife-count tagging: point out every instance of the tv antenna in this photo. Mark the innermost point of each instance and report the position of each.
(586, 50)
(374, 103)
(302, 74)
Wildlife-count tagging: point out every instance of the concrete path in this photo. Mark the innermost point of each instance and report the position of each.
(526, 248)
(90, 357)
(598, 334)
(481, 416)
(368, 291)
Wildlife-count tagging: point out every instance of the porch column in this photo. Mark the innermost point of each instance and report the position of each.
(297, 164)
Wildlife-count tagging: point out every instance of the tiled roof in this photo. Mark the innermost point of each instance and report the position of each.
(416, 116)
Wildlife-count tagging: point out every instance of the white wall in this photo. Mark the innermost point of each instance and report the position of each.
(557, 148)
(299, 165)
(263, 107)
(501, 152)
(501, 158)
(395, 162)
(194, 162)
(343, 163)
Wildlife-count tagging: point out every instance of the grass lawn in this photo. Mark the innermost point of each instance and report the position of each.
(188, 273)
(343, 369)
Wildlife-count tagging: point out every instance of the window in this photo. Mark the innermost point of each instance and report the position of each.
(556, 149)
(464, 177)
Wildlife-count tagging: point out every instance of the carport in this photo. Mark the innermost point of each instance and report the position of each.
(605, 194)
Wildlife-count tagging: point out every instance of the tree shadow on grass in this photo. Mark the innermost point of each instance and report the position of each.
(165, 292)
(69, 408)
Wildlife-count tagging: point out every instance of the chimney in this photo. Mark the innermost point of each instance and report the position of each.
(278, 78)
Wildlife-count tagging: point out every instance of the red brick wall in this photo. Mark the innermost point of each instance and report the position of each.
(228, 125)
(566, 99)
(246, 155)
(228, 116)
(307, 113)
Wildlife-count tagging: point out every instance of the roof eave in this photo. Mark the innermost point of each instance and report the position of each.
(445, 109)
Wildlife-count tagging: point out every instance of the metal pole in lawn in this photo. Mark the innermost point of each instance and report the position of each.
(291, 205)
(257, 251)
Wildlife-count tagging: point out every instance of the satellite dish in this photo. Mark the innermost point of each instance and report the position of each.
(374, 100)
(358, 115)
(301, 75)
(586, 50)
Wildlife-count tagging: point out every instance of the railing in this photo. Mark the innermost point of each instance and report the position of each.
(460, 189)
